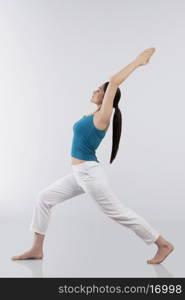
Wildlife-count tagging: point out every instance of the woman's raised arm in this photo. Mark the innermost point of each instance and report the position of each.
(140, 60)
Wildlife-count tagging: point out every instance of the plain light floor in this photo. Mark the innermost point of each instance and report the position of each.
(102, 249)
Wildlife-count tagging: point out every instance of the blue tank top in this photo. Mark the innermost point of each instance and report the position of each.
(86, 138)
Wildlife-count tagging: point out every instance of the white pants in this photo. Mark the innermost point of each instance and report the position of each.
(89, 177)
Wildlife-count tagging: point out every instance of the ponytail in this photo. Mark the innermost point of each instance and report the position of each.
(117, 123)
(116, 134)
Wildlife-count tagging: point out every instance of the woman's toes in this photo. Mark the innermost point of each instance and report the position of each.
(152, 261)
(15, 257)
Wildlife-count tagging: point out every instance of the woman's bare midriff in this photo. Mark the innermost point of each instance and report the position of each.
(75, 161)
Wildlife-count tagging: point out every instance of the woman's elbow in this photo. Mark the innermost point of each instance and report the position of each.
(113, 81)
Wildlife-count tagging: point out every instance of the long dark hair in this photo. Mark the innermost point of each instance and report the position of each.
(117, 123)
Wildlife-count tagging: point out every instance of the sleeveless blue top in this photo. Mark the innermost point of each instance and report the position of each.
(86, 138)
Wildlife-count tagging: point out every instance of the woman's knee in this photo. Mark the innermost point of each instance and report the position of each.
(43, 198)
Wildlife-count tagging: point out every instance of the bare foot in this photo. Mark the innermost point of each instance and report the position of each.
(31, 254)
(163, 251)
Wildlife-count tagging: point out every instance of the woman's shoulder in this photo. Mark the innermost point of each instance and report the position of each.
(98, 123)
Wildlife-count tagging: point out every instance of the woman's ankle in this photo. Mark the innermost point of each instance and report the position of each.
(161, 241)
(37, 248)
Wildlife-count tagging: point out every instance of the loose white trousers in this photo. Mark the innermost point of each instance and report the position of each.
(89, 177)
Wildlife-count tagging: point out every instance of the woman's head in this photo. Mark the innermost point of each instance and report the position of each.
(98, 95)
(97, 98)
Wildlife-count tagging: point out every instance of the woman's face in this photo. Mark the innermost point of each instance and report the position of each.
(98, 95)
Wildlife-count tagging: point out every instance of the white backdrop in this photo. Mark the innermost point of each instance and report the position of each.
(53, 54)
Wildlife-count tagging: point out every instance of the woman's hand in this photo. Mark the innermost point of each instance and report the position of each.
(141, 59)
(144, 57)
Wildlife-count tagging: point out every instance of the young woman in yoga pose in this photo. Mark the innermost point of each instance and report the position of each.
(88, 175)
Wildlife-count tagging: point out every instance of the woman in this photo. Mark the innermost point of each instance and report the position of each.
(88, 176)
